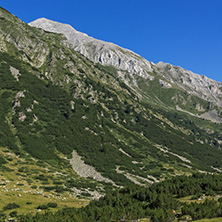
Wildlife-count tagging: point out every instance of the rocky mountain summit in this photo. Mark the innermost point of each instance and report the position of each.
(96, 50)
(110, 54)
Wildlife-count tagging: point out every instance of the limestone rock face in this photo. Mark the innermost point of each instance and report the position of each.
(164, 84)
(33, 50)
(198, 85)
(110, 54)
(96, 50)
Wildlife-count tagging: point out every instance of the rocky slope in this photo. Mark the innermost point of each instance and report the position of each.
(110, 54)
(96, 50)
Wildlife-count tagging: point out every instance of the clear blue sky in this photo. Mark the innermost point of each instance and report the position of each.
(187, 33)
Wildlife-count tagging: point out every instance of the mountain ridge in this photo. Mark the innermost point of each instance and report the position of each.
(110, 54)
(80, 40)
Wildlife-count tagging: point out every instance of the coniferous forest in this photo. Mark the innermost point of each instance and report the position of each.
(159, 202)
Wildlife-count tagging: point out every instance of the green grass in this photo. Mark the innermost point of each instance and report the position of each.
(210, 220)
(23, 171)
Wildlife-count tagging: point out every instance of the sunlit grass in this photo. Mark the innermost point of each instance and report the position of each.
(14, 187)
(210, 220)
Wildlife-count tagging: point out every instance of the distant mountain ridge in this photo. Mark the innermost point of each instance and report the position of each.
(110, 54)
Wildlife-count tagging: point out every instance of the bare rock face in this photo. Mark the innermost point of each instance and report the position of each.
(32, 50)
(110, 54)
(15, 73)
(164, 84)
(96, 50)
(198, 85)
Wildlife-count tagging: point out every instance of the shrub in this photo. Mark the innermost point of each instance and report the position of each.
(11, 206)
(13, 214)
(43, 207)
(28, 203)
(2, 216)
(52, 205)
(29, 180)
(86, 194)
(45, 182)
(57, 182)
(2, 160)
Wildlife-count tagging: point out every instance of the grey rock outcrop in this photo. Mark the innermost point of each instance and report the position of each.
(98, 51)
(85, 170)
(123, 59)
(198, 85)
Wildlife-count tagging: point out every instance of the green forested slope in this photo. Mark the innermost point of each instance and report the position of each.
(159, 203)
(60, 101)
(54, 101)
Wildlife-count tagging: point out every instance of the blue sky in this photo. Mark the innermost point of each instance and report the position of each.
(186, 33)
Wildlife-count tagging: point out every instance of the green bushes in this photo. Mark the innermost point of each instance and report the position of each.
(41, 177)
(42, 207)
(2, 160)
(46, 206)
(2, 216)
(58, 127)
(28, 203)
(207, 209)
(13, 214)
(52, 205)
(11, 206)
(57, 188)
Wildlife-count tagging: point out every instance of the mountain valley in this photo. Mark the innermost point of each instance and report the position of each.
(81, 117)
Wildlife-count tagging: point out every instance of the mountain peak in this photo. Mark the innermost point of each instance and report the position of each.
(52, 26)
(109, 54)
(96, 50)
